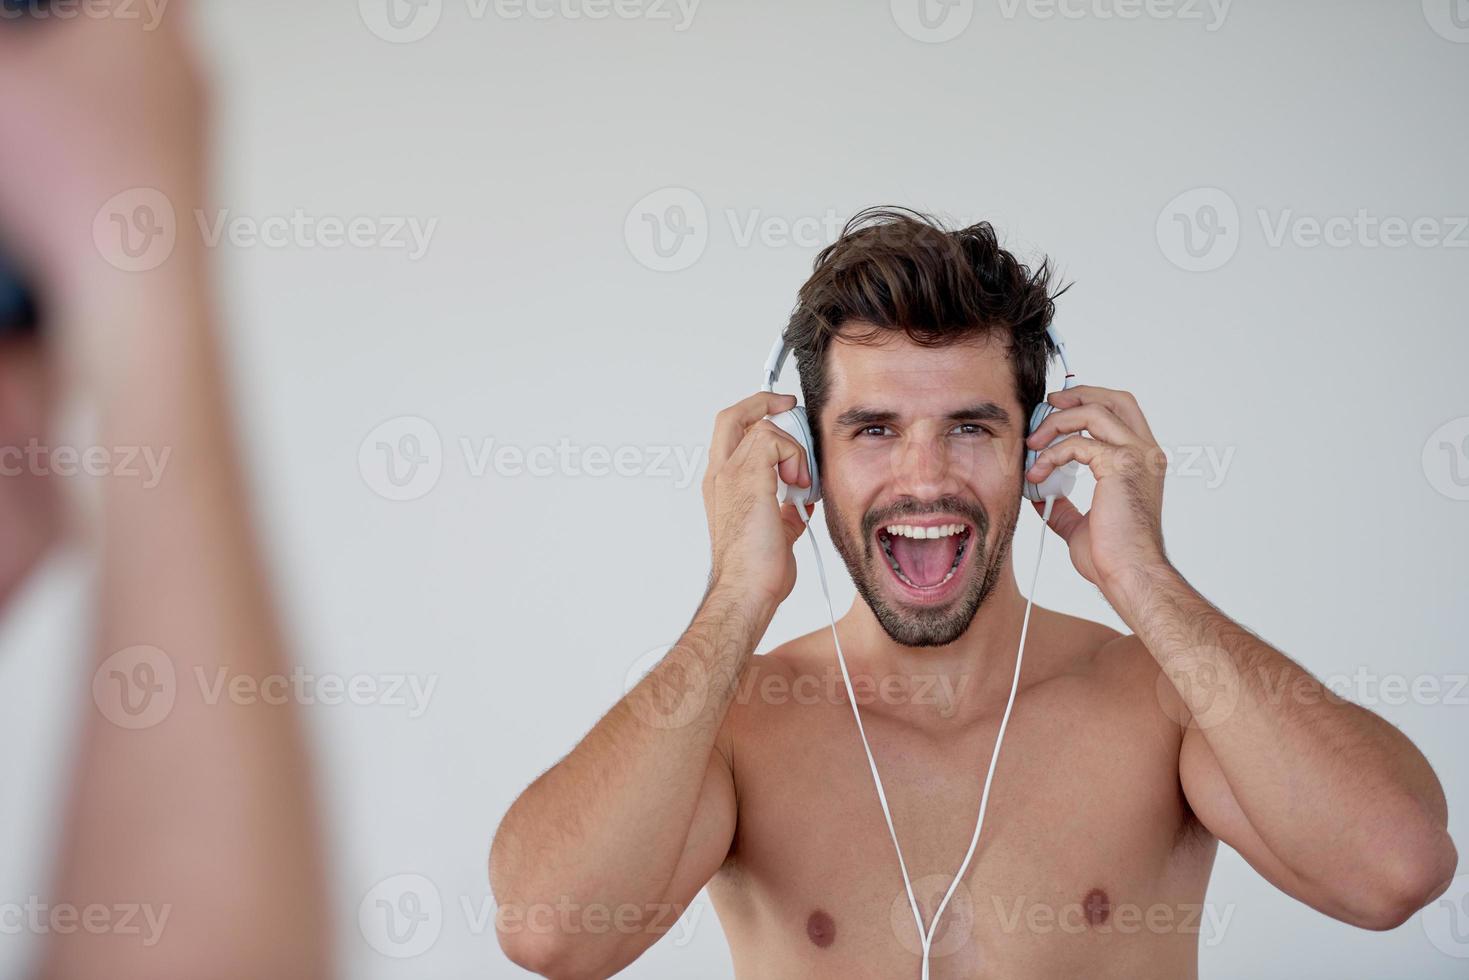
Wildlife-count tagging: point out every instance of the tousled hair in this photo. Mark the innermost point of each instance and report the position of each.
(895, 269)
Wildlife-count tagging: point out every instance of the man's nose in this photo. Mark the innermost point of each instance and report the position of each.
(924, 469)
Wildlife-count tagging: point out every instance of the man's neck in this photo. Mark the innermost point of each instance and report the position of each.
(979, 666)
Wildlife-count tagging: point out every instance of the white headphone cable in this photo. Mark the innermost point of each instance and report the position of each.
(926, 935)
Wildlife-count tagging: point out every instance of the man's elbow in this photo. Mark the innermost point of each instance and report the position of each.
(553, 954)
(543, 955)
(1410, 878)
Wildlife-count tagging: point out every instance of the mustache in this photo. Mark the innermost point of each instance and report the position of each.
(967, 509)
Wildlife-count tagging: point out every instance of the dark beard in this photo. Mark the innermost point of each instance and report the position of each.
(922, 627)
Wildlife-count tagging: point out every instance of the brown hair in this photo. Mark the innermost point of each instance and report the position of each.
(894, 269)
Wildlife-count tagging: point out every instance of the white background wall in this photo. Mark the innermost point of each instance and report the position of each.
(1322, 374)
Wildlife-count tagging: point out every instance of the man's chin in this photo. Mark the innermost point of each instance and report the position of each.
(932, 619)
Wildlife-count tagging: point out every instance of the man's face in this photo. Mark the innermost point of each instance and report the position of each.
(921, 451)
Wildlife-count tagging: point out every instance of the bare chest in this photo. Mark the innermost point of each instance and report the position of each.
(1086, 855)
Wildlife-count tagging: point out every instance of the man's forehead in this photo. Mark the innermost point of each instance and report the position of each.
(919, 378)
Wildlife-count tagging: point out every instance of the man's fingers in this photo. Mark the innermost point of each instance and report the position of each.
(1098, 419)
(730, 424)
(1122, 403)
(1080, 448)
(767, 449)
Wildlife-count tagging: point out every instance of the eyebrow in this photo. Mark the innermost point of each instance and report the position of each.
(978, 412)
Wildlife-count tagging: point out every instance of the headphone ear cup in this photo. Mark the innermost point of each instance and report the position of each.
(795, 424)
(1062, 479)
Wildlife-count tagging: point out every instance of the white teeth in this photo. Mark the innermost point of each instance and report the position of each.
(935, 531)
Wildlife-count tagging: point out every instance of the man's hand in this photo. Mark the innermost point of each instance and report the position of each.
(28, 503)
(1122, 534)
(94, 106)
(750, 533)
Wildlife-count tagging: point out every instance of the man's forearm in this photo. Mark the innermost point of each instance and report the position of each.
(1322, 781)
(608, 824)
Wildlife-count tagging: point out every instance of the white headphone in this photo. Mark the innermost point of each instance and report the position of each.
(1059, 483)
(797, 425)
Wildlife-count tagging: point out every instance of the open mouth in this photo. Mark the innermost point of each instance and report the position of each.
(925, 557)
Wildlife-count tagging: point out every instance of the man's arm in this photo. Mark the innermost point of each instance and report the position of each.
(1325, 799)
(1328, 801)
(625, 830)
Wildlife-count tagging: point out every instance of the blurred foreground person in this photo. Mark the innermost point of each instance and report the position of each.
(200, 813)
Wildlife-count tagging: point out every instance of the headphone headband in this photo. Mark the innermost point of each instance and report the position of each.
(775, 362)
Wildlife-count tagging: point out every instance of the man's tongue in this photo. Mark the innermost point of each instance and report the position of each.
(925, 562)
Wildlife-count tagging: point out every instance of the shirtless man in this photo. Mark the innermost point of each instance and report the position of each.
(1128, 757)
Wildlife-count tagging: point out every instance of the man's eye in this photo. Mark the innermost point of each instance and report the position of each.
(873, 430)
(971, 429)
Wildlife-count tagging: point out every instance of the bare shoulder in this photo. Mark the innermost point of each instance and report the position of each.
(1113, 664)
(769, 682)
